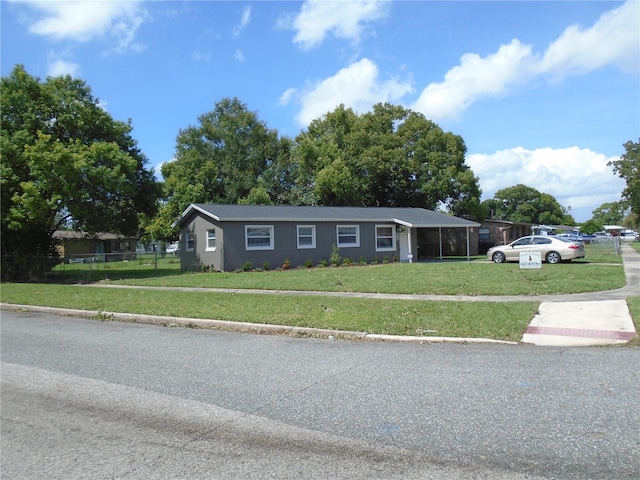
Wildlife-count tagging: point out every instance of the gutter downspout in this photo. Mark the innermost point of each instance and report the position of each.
(440, 240)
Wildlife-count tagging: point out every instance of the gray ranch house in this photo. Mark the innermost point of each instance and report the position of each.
(225, 237)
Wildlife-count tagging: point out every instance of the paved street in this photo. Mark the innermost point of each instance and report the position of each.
(89, 399)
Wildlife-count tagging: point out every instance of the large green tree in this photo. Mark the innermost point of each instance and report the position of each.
(66, 163)
(526, 204)
(390, 156)
(628, 168)
(230, 156)
(611, 213)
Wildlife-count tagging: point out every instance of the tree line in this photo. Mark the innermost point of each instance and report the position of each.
(67, 164)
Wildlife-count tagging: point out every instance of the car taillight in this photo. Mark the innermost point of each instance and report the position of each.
(574, 247)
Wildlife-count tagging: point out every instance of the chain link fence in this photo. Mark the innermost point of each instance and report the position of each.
(89, 267)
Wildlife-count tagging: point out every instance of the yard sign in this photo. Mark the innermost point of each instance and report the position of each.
(530, 260)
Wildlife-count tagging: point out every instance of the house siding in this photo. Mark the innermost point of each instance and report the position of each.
(231, 252)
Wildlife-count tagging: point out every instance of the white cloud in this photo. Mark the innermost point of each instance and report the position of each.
(83, 20)
(201, 57)
(344, 19)
(239, 56)
(356, 86)
(577, 178)
(613, 39)
(59, 67)
(244, 21)
(475, 77)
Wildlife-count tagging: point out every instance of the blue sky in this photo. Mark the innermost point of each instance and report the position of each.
(543, 93)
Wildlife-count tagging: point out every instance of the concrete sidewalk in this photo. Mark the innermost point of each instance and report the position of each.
(603, 319)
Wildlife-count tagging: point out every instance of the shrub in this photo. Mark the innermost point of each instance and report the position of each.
(265, 265)
(385, 259)
(335, 255)
(323, 263)
(363, 261)
(287, 264)
(246, 266)
(308, 263)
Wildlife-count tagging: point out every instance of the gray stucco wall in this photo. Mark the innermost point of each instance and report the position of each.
(231, 252)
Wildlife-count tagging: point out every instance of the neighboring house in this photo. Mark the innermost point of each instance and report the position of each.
(76, 246)
(500, 232)
(552, 230)
(228, 236)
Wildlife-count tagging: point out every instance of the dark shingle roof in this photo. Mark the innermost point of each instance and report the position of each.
(410, 217)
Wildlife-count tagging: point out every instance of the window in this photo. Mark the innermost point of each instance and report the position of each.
(484, 235)
(211, 240)
(385, 238)
(190, 242)
(258, 237)
(306, 236)
(348, 235)
(522, 242)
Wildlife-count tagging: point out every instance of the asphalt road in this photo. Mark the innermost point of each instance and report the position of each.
(88, 399)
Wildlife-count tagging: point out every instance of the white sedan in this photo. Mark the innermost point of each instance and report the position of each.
(552, 249)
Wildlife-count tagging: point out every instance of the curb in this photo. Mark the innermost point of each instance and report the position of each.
(247, 327)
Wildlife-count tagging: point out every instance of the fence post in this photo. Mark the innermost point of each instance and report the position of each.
(155, 262)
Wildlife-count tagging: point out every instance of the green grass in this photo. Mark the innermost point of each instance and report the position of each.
(431, 278)
(602, 270)
(501, 321)
(143, 267)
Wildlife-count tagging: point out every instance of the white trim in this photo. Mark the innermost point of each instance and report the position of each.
(208, 248)
(271, 245)
(190, 236)
(313, 236)
(392, 248)
(348, 245)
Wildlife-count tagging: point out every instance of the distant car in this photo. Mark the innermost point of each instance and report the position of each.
(601, 237)
(173, 248)
(552, 249)
(629, 237)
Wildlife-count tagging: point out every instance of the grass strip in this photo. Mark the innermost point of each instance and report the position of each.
(499, 321)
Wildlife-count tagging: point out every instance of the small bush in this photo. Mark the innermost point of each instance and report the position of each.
(265, 265)
(246, 266)
(363, 261)
(323, 263)
(385, 259)
(287, 264)
(375, 260)
(335, 255)
(308, 263)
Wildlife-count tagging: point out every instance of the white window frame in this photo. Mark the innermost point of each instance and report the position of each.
(313, 236)
(209, 238)
(347, 245)
(189, 242)
(392, 248)
(258, 247)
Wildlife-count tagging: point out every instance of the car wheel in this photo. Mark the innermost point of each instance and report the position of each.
(553, 257)
(499, 257)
